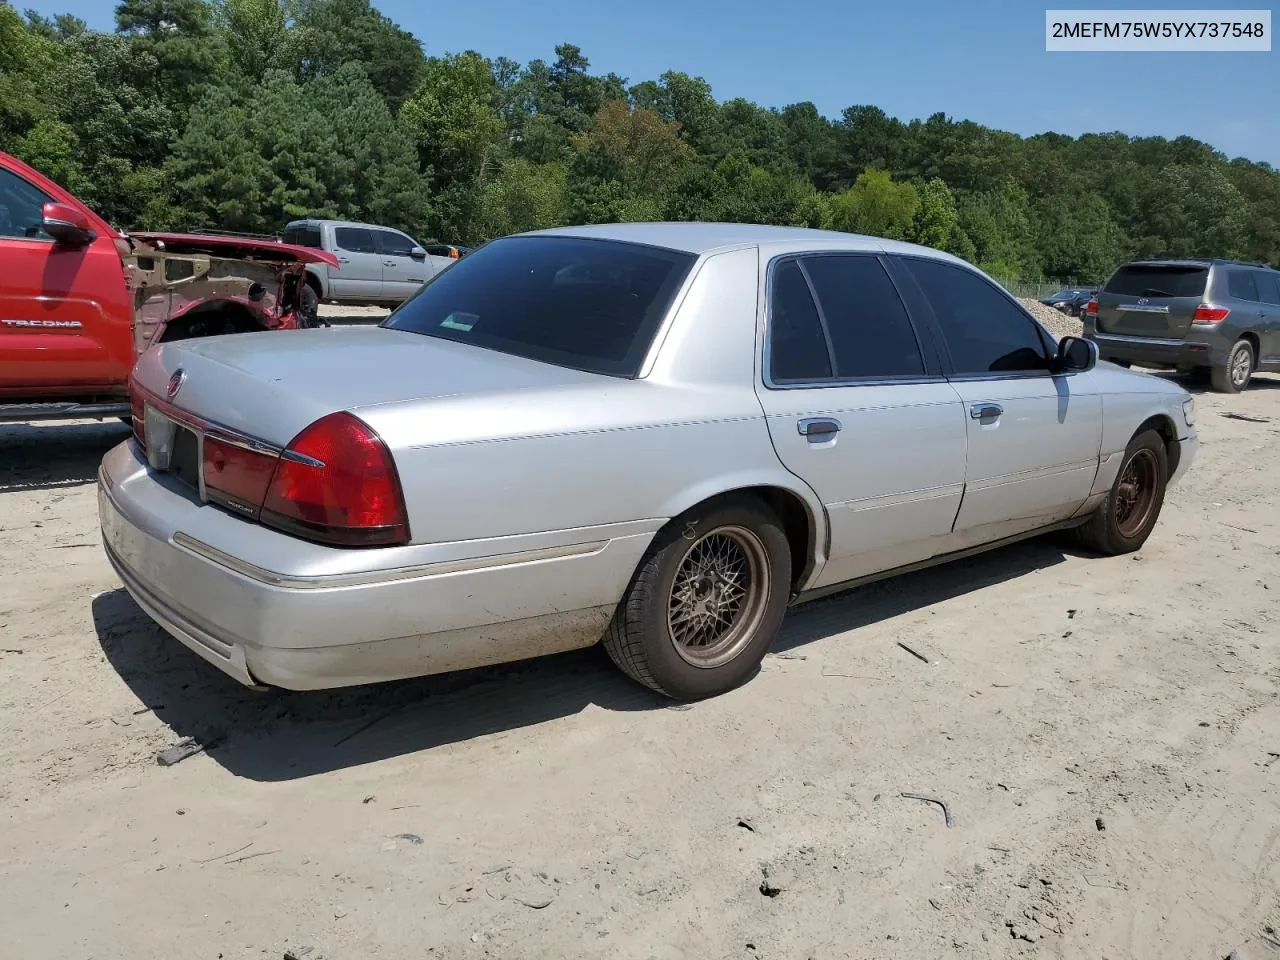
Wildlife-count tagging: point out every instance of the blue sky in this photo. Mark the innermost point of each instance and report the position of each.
(984, 62)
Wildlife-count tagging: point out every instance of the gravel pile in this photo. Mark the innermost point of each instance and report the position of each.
(1058, 323)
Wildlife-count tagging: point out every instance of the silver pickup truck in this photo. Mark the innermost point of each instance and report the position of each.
(376, 265)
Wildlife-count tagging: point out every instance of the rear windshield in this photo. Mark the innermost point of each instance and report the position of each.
(592, 305)
(303, 236)
(1145, 280)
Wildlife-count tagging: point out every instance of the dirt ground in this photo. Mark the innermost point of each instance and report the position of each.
(1102, 730)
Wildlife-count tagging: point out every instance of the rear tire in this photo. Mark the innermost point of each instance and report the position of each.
(1125, 519)
(1235, 376)
(706, 602)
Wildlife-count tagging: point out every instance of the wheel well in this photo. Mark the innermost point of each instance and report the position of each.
(1253, 342)
(314, 283)
(793, 514)
(211, 319)
(1169, 434)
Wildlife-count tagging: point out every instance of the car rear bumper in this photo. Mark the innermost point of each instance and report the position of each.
(456, 606)
(1158, 352)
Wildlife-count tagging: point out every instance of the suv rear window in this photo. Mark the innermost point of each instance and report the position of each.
(303, 237)
(1158, 280)
(592, 305)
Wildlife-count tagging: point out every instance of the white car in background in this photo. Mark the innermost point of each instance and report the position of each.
(376, 265)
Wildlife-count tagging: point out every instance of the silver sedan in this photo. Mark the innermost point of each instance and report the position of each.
(655, 435)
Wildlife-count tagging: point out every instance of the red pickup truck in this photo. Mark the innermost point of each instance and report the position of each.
(79, 300)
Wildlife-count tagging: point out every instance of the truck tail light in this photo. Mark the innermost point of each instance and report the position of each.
(336, 483)
(235, 476)
(1091, 308)
(1208, 313)
(138, 414)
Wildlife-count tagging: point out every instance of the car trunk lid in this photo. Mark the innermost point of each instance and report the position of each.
(1156, 300)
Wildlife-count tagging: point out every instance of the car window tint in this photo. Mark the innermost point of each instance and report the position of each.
(1268, 286)
(354, 239)
(797, 345)
(393, 244)
(21, 208)
(1240, 285)
(303, 236)
(984, 330)
(1158, 280)
(593, 305)
(871, 335)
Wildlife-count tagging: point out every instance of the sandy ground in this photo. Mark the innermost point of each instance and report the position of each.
(1102, 730)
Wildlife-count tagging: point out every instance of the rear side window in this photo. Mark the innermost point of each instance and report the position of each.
(21, 208)
(304, 237)
(592, 305)
(1240, 285)
(1157, 280)
(798, 350)
(1268, 286)
(393, 244)
(354, 239)
(984, 330)
(871, 335)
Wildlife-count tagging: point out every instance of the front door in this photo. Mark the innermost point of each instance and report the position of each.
(359, 274)
(858, 409)
(65, 311)
(1268, 283)
(1034, 438)
(402, 274)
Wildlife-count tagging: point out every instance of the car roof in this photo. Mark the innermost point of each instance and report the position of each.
(341, 223)
(1200, 262)
(703, 238)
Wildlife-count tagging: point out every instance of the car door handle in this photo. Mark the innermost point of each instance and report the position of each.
(344, 259)
(818, 429)
(985, 411)
(388, 263)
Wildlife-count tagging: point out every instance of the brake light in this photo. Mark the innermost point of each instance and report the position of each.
(1207, 313)
(235, 476)
(138, 414)
(336, 483)
(1091, 308)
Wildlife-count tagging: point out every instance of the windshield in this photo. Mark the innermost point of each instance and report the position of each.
(592, 305)
(1158, 280)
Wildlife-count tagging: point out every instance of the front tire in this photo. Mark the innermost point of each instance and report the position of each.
(1235, 376)
(1126, 518)
(706, 602)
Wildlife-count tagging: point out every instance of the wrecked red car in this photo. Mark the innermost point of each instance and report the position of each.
(80, 300)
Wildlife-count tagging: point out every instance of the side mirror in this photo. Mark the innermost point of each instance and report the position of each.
(66, 224)
(1075, 355)
(418, 253)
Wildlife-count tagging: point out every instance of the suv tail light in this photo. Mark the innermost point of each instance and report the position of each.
(138, 414)
(1091, 308)
(1208, 313)
(336, 483)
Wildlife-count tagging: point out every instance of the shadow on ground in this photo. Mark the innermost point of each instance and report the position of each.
(284, 735)
(52, 455)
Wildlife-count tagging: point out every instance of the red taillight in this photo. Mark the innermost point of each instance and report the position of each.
(235, 476)
(138, 414)
(1091, 308)
(336, 483)
(1207, 313)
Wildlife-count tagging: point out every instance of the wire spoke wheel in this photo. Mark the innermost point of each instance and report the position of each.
(718, 596)
(1136, 492)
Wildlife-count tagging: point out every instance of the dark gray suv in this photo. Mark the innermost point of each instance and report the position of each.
(1217, 315)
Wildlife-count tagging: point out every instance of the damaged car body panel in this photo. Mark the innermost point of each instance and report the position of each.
(196, 286)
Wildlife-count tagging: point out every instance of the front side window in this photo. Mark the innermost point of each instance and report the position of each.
(984, 330)
(592, 305)
(354, 239)
(871, 335)
(21, 208)
(392, 244)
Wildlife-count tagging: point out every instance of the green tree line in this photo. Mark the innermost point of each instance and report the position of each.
(244, 114)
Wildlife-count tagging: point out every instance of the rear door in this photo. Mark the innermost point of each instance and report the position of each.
(857, 407)
(66, 317)
(1033, 437)
(1268, 283)
(359, 273)
(402, 275)
(1152, 300)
